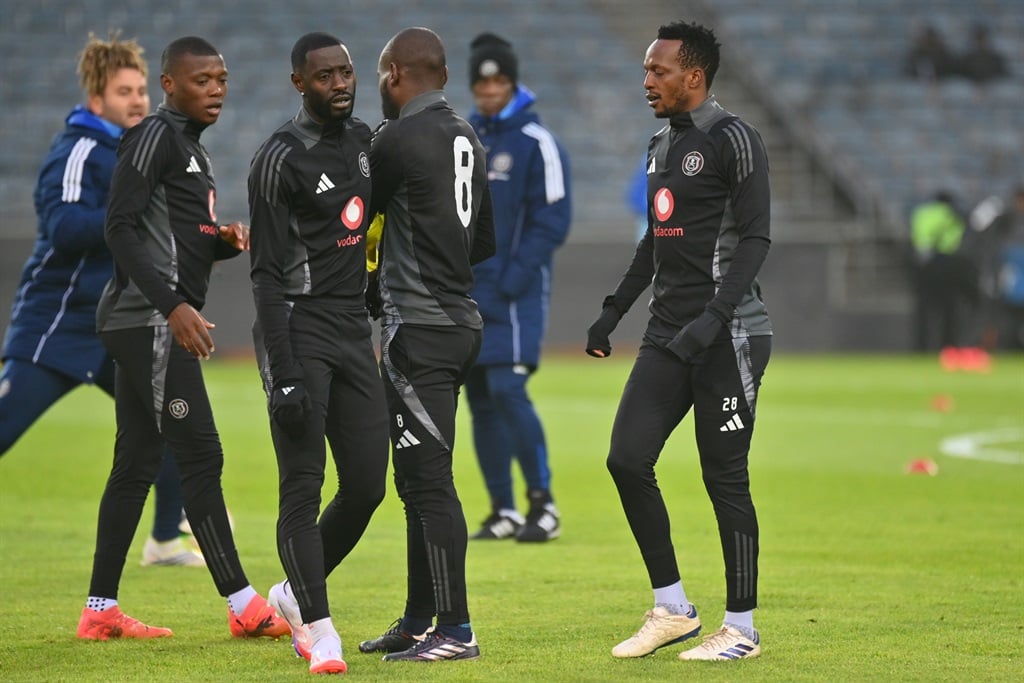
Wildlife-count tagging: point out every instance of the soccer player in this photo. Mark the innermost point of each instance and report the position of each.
(162, 229)
(707, 342)
(429, 176)
(309, 193)
(51, 345)
(528, 174)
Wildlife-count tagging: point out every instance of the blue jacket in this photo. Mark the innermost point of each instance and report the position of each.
(528, 173)
(53, 321)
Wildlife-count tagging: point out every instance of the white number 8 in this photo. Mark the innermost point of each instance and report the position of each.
(463, 151)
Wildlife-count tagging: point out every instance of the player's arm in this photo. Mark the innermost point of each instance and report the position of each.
(269, 249)
(386, 169)
(71, 199)
(547, 213)
(145, 153)
(637, 278)
(747, 168)
(634, 281)
(484, 243)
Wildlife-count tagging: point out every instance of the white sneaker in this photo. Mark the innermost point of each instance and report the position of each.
(170, 553)
(287, 607)
(661, 628)
(723, 645)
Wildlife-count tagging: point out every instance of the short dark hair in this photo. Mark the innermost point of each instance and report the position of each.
(189, 45)
(699, 46)
(308, 43)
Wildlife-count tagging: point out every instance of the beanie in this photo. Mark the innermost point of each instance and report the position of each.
(490, 55)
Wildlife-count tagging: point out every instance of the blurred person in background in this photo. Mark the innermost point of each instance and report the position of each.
(944, 277)
(51, 346)
(997, 226)
(929, 57)
(981, 62)
(528, 174)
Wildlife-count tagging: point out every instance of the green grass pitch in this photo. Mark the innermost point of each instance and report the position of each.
(867, 573)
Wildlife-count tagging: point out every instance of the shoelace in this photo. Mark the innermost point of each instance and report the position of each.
(717, 640)
(650, 621)
(395, 627)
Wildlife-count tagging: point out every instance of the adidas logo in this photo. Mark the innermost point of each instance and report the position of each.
(737, 651)
(504, 528)
(445, 651)
(548, 522)
(324, 184)
(734, 424)
(193, 166)
(287, 390)
(406, 440)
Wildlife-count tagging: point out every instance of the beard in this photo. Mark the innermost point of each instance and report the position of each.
(388, 106)
(323, 111)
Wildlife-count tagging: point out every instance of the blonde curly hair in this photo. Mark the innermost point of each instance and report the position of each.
(101, 59)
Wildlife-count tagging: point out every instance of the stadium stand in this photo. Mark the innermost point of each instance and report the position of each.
(836, 72)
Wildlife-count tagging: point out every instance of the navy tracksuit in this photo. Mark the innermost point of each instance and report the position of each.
(528, 173)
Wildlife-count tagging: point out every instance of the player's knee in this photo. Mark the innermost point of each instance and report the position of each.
(370, 496)
(623, 466)
(731, 486)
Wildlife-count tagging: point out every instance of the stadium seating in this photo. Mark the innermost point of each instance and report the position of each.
(836, 69)
(588, 84)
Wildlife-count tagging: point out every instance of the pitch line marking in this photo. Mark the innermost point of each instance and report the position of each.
(979, 446)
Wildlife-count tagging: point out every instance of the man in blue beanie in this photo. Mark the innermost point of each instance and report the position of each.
(528, 173)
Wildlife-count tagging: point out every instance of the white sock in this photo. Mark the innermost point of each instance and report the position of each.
(321, 629)
(512, 514)
(239, 600)
(100, 604)
(743, 620)
(672, 598)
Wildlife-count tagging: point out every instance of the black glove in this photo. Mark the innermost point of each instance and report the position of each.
(696, 336)
(289, 405)
(373, 302)
(597, 335)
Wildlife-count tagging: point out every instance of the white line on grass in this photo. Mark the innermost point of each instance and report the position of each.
(977, 446)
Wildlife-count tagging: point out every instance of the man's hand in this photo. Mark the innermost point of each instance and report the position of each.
(598, 344)
(289, 406)
(696, 336)
(191, 330)
(236, 234)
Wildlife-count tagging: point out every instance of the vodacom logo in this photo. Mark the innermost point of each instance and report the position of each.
(664, 203)
(352, 214)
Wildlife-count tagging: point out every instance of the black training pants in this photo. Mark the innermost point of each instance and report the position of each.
(159, 396)
(340, 374)
(721, 387)
(423, 368)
